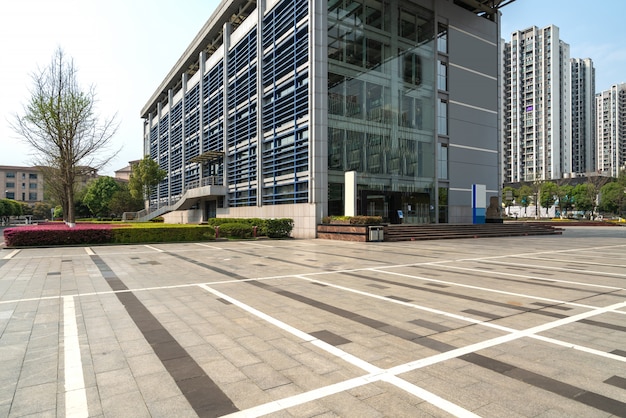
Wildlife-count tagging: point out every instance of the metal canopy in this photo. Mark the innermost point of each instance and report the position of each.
(486, 8)
(207, 157)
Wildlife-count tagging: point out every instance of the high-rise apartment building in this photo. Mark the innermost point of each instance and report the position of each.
(536, 141)
(611, 130)
(302, 108)
(582, 144)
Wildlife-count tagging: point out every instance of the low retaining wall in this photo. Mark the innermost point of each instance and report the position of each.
(358, 233)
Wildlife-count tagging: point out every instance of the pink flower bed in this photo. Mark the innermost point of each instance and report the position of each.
(57, 233)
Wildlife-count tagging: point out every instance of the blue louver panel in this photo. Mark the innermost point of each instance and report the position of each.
(285, 104)
(192, 133)
(242, 119)
(176, 149)
(213, 109)
(163, 157)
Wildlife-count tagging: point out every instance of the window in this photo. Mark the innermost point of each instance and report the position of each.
(32, 185)
(10, 184)
(442, 117)
(32, 196)
(442, 75)
(442, 160)
(32, 176)
(10, 195)
(23, 185)
(10, 175)
(442, 39)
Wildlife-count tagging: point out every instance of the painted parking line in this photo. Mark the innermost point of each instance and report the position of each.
(375, 373)
(154, 248)
(11, 255)
(75, 393)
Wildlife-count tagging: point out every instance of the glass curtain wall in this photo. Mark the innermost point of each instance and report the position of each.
(381, 108)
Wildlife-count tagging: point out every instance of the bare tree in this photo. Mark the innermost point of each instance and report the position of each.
(61, 125)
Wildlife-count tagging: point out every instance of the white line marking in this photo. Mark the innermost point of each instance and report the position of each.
(256, 244)
(501, 273)
(209, 246)
(11, 255)
(89, 251)
(577, 261)
(375, 373)
(75, 393)
(485, 289)
(475, 321)
(569, 269)
(529, 332)
(154, 248)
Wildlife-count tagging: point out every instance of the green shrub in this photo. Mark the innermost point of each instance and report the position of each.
(162, 234)
(366, 220)
(354, 220)
(279, 228)
(236, 230)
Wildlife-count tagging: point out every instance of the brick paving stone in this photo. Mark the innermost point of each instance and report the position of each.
(254, 362)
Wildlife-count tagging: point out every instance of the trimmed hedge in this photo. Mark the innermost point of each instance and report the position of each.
(354, 220)
(279, 228)
(162, 234)
(272, 228)
(90, 234)
(57, 235)
(235, 230)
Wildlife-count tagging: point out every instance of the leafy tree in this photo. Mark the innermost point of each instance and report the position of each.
(6, 209)
(549, 191)
(145, 177)
(122, 201)
(60, 124)
(613, 198)
(565, 194)
(41, 210)
(584, 197)
(10, 207)
(81, 210)
(98, 195)
(525, 196)
(513, 194)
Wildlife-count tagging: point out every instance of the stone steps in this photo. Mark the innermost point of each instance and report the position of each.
(455, 231)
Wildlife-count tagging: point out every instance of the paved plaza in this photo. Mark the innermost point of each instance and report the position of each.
(495, 327)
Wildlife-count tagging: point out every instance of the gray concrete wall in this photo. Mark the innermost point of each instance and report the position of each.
(473, 108)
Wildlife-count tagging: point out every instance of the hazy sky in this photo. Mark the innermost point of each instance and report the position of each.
(126, 47)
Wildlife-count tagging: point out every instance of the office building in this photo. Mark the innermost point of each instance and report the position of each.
(611, 130)
(302, 109)
(24, 184)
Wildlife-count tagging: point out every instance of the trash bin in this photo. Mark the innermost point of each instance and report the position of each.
(376, 233)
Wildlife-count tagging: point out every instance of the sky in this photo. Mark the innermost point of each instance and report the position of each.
(125, 48)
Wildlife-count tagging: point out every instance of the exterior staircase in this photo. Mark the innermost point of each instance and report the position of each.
(451, 231)
(194, 192)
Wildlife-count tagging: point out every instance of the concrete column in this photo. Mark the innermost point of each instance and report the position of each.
(202, 70)
(170, 97)
(185, 77)
(259, 103)
(318, 107)
(227, 33)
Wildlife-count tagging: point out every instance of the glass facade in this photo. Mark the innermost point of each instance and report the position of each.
(381, 108)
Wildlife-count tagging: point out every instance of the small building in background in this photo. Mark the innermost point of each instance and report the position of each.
(24, 184)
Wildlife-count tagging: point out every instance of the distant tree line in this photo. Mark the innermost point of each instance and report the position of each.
(599, 195)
